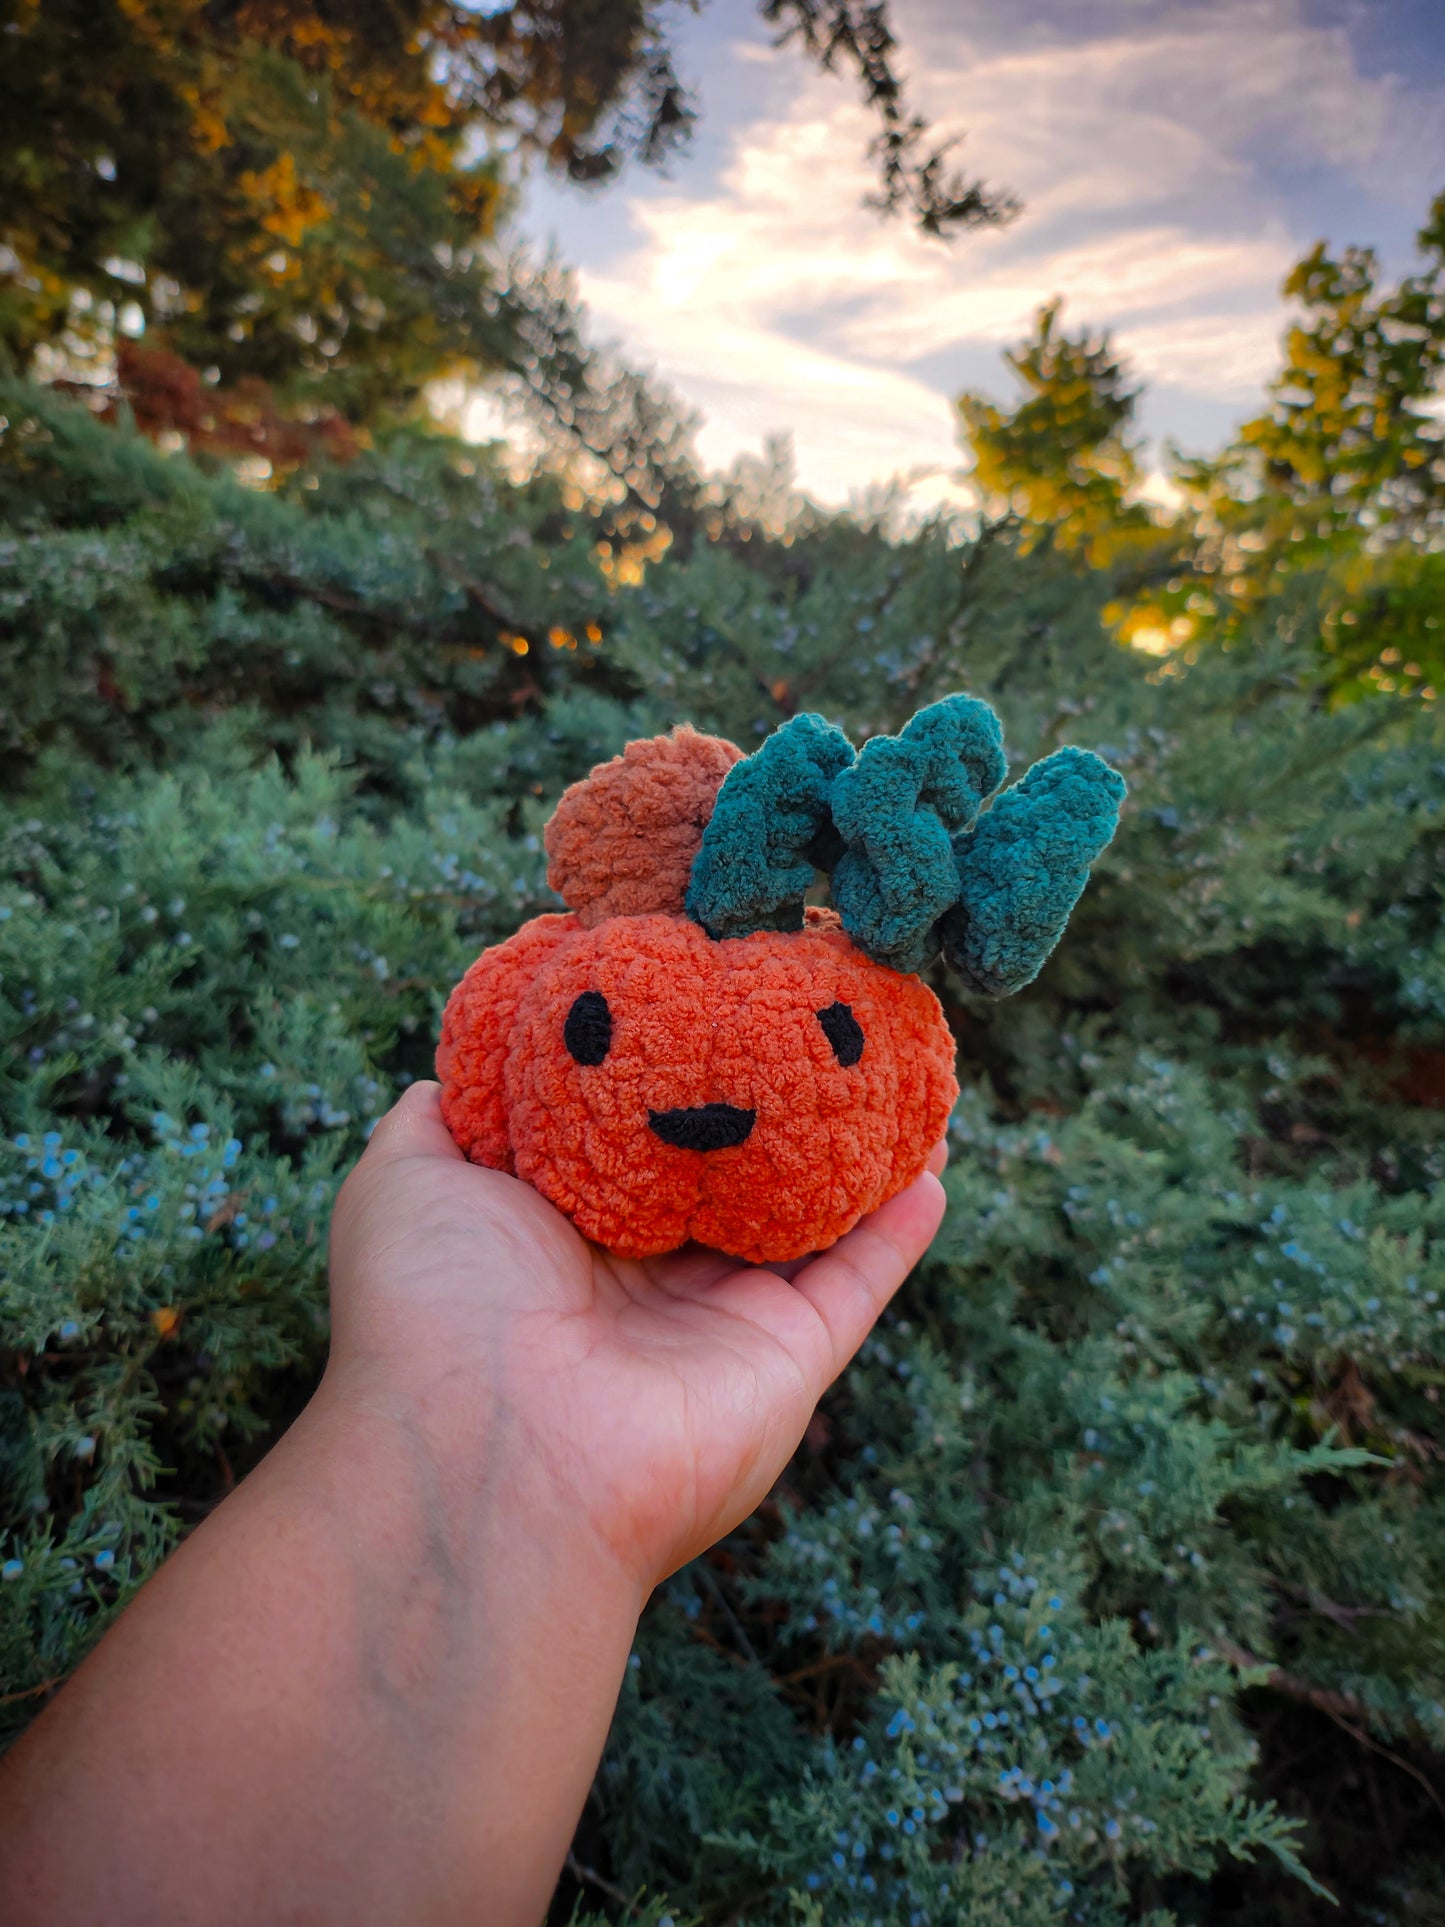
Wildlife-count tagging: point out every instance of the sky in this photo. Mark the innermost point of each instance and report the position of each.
(1174, 158)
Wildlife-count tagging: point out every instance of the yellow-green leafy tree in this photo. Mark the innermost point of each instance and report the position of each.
(1326, 509)
(1065, 460)
(1340, 481)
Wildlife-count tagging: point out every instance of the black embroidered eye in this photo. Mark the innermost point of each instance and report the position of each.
(587, 1032)
(843, 1032)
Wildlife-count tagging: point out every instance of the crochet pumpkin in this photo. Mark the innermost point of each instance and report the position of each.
(690, 1053)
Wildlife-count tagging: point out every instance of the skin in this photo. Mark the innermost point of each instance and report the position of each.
(375, 1684)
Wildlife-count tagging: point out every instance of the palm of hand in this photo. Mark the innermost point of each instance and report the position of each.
(653, 1400)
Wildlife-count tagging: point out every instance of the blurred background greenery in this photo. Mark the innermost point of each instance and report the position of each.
(1108, 1586)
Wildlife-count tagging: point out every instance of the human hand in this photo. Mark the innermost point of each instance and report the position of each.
(402, 1636)
(651, 1403)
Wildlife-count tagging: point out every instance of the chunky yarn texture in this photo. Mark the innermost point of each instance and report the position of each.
(731, 1027)
(692, 1053)
(623, 840)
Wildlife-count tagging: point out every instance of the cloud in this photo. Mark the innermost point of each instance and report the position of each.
(1143, 145)
(853, 422)
(1226, 357)
(1229, 80)
(1135, 271)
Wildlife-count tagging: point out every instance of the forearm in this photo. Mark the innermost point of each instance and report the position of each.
(372, 1688)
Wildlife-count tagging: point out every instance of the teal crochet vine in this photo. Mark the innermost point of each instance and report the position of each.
(896, 809)
(1024, 868)
(771, 830)
(915, 868)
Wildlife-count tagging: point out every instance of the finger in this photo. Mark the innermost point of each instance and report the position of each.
(849, 1285)
(937, 1158)
(413, 1127)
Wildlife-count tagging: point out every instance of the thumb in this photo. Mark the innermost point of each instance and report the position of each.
(412, 1128)
(365, 1217)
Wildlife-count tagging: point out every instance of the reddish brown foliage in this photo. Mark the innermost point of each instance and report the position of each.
(168, 397)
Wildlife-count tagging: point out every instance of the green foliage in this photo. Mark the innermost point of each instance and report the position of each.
(401, 598)
(913, 177)
(279, 192)
(1344, 474)
(1109, 1583)
(1331, 502)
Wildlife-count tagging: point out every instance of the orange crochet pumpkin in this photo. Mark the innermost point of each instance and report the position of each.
(686, 1053)
(758, 1094)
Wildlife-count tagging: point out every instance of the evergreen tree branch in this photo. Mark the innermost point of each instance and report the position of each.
(913, 175)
